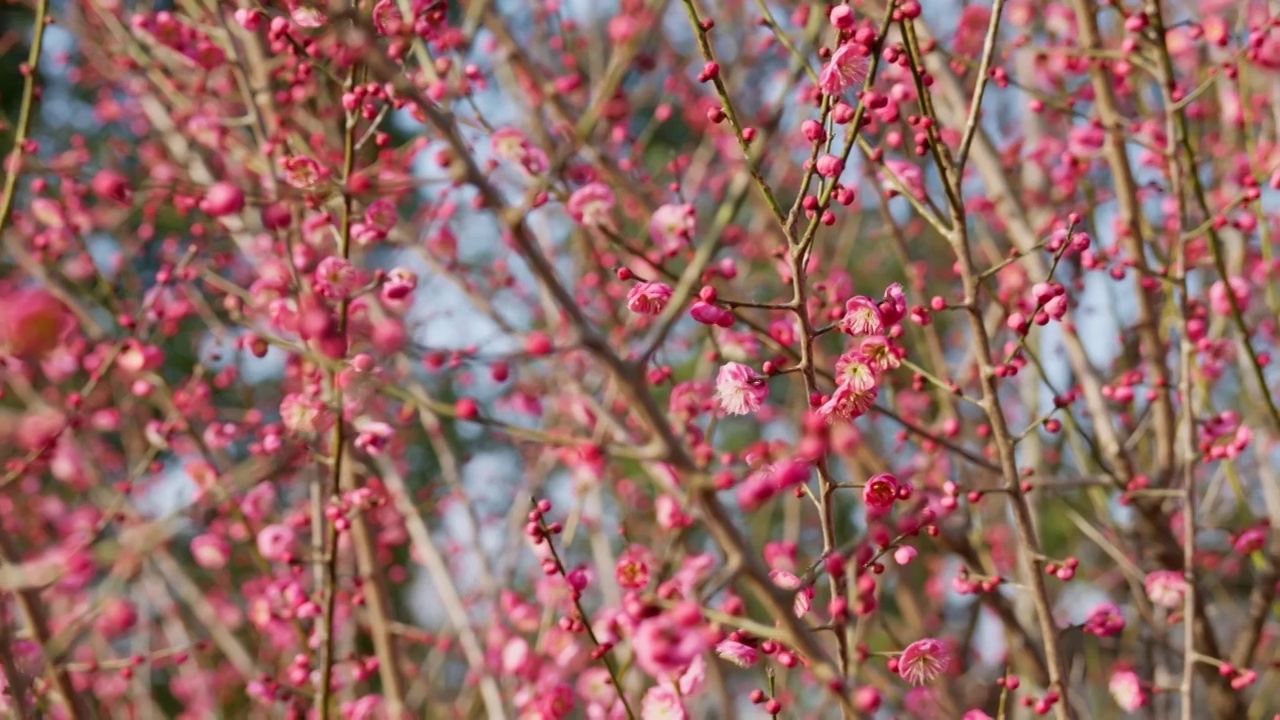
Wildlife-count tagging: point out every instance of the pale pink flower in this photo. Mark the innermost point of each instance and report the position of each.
(662, 702)
(672, 226)
(1221, 303)
(923, 660)
(692, 679)
(739, 389)
(648, 298)
(275, 541)
(905, 554)
(849, 404)
(512, 144)
(1166, 588)
(861, 317)
(368, 707)
(304, 414)
(669, 514)
(846, 69)
(1126, 690)
(854, 370)
(789, 581)
(881, 354)
(664, 646)
(1105, 620)
(744, 656)
(307, 16)
(909, 175)
(596, 687)
(591, 205)
(975, 714)
(210, 551)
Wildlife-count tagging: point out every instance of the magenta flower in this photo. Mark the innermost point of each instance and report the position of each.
(708, 314)
(739, 390)
(1105, 620)
(1126, 690)
(1250, 541)
(664, 646)
(648, 298)
(1166, 588)
(32, 324)
(221, 199)
(846, 69)
(880, 492)
(923, 661)
(744, 656)
(336, 278)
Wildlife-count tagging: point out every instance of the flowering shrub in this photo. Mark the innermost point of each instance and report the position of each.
(658, 359)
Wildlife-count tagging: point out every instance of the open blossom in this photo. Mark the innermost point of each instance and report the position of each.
(1105, 620)
(648, 298)
(739, 389)
(910, 176)
(744, 656)
(210, 551)
(336, 278)
(665, 646)
(923, 660)
(880, 492)
(671, 226)
(512, 144)
(275, 541)
(1126, 690)
(304, 414)
(848, 403)
(861, 317)
(789, 581)
(1166, 588)
(846, 69)
(881, 354)
(662, 702)
(854, 370)
(302, 172)
(591, 205)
